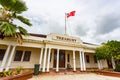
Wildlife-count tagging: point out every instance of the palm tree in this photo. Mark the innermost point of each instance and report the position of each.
(10, 10)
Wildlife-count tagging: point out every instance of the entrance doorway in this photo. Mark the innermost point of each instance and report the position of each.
(61, 59)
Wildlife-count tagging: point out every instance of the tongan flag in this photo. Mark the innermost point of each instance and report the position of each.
(72, 13)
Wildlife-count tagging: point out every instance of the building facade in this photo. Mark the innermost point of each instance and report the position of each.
(52, 51)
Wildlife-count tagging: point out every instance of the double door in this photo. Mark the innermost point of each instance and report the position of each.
(61, 59)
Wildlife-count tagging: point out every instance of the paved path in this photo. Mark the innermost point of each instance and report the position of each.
(89, 76)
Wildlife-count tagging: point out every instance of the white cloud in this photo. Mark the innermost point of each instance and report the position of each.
(47, 16)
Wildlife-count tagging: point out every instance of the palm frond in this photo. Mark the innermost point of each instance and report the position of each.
(17, 6)
(7, 4)
(8, 29)
(19, 38)
(24, 20)
(22, 31)
(10, 10)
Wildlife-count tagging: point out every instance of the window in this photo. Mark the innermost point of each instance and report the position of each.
(27, 55)
(87, 59)
(55, 55)
(95, 59)
(68, 58)
(50, 57)
(2, 53)
(22, 55)
(18, 55)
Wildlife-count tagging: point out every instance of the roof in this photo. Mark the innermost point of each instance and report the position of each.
(38, 35)
(90, 43)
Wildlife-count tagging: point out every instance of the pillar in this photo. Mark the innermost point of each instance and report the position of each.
(44, 62)
(83, 56)
(10, 58)
(99, 66)
(81, 62)
(5, 58)
(74, 63)
(48, 62)
(113, 62)
(40, 61)
(66, 60)
(57, 65)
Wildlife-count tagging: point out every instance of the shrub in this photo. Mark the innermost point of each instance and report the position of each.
(68, 66)
(27, 71)
(117, 68)
(6, 73)
(19, 70)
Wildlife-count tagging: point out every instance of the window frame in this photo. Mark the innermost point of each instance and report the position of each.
(87, 59)
(95, 59)
(1, 58)
(24, 56)
(68, 58)
(15, 59)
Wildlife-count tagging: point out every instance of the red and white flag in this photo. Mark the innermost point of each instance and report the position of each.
(72, 13)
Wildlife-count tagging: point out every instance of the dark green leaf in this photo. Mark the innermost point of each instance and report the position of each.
(24, 20)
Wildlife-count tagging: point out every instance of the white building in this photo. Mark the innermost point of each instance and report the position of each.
(52, 51)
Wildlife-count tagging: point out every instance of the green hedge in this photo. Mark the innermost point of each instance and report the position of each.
(117, 68)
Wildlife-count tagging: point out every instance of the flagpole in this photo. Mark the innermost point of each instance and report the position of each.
(65, 23)
(67, 15)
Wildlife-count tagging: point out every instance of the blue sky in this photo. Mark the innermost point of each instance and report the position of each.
(96, 21)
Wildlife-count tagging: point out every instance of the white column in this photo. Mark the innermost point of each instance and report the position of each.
(66, 60)
(99, 66)
(44, 62)
(57, 65)
(10, 59)
(74, 63)
(113, 62)
(40, 61)
(48, 62)
(83, 56)
(81, 62)
(5, 58)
